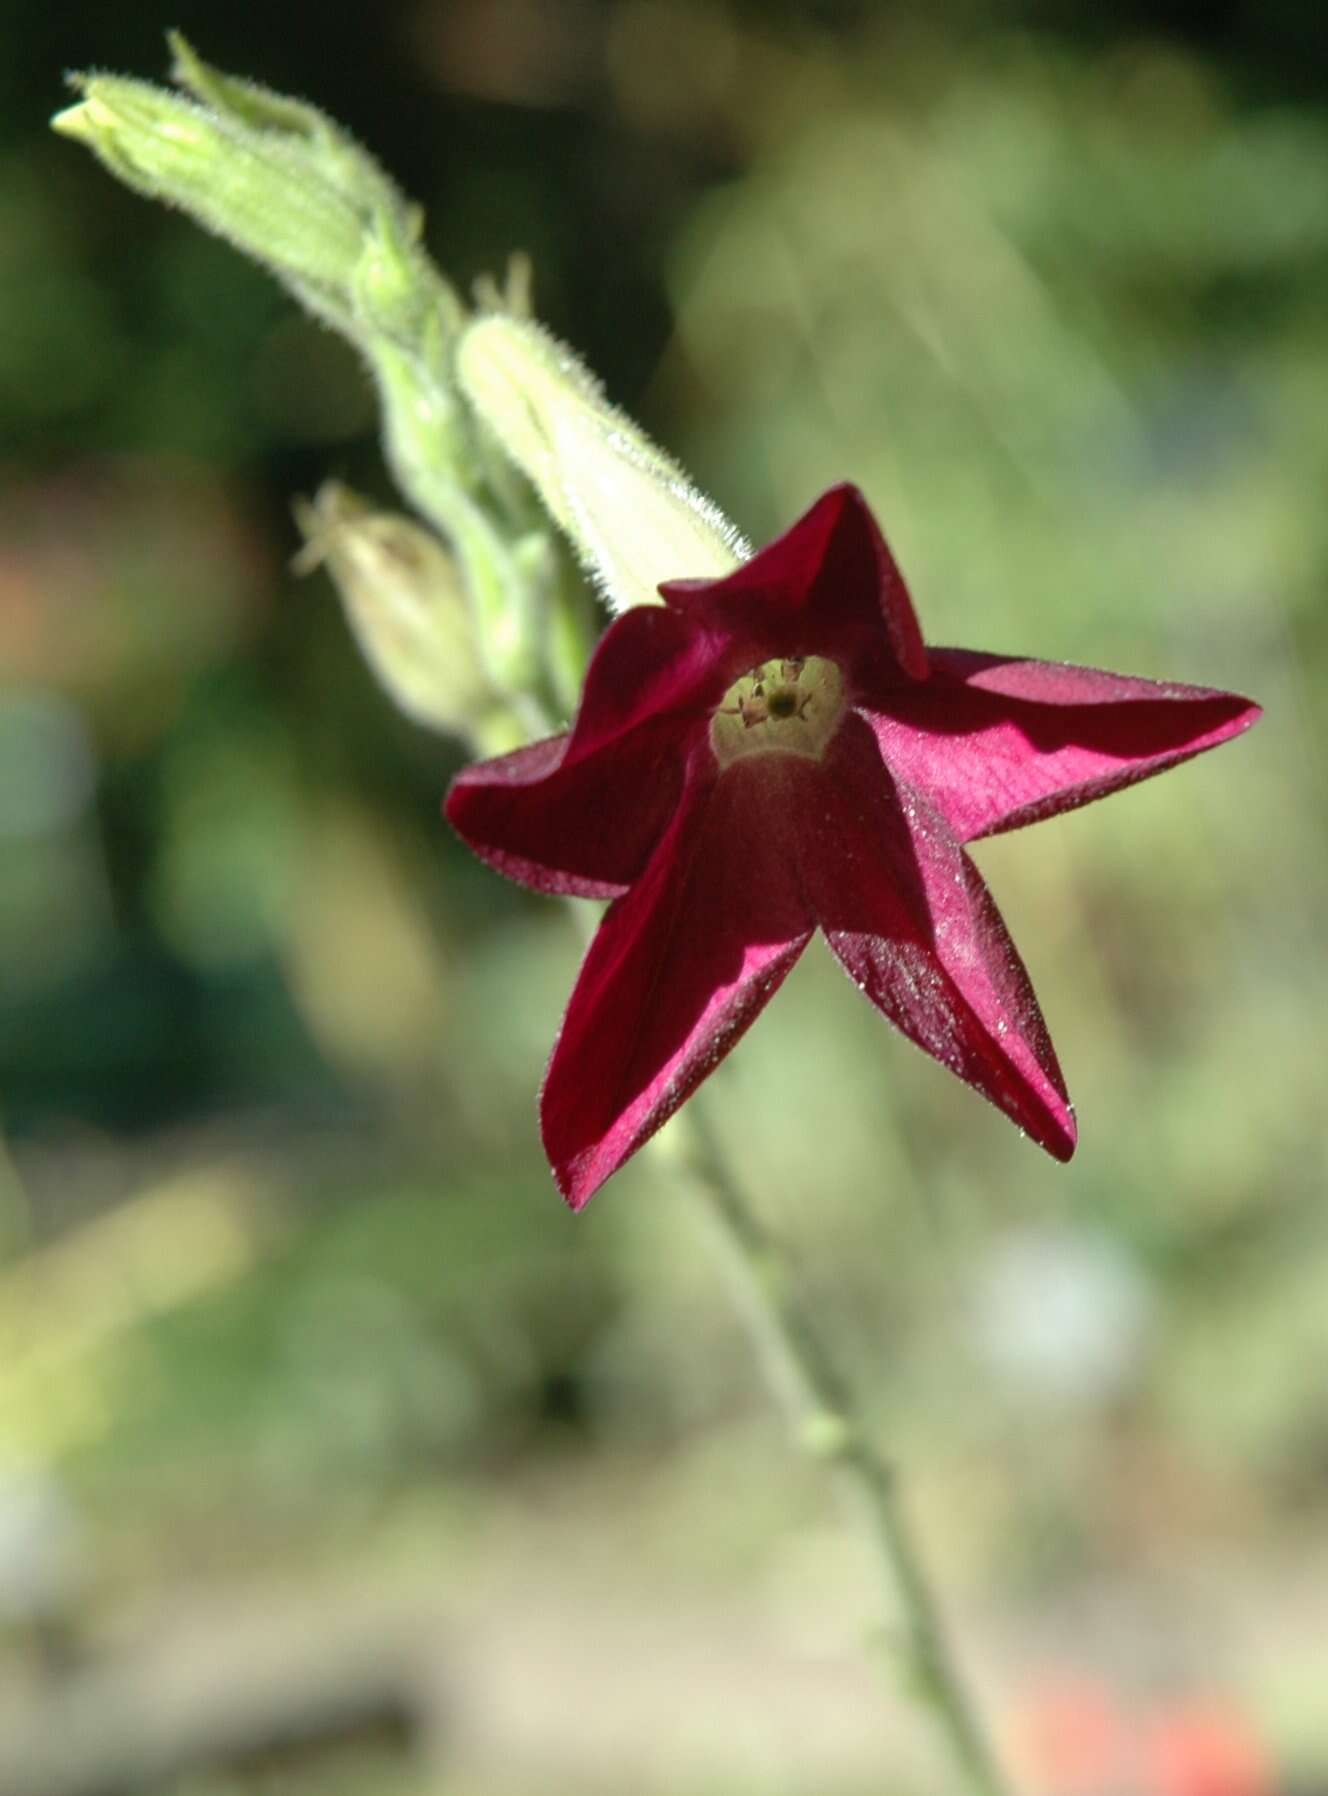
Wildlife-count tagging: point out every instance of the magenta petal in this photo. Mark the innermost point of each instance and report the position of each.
(908, 915)
(678, 970)
(651, 663)
(581, 828)
(827, 586)
(580, 814)
(999, 743)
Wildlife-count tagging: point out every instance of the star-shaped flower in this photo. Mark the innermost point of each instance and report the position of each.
(774, 752)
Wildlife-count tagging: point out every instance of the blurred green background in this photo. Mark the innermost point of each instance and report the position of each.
(335, 1457)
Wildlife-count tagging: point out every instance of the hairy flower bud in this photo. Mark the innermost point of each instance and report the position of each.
(333, 153)
(405, 600)
(631, 513)
(281, 181)
(257, 189)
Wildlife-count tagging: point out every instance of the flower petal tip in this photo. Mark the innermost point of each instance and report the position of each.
(1062, 1143)
(578, 1180)
(1049, 1123)
(1250, 715)
(1241, 714)
(1052, 1125)
(575, 1199)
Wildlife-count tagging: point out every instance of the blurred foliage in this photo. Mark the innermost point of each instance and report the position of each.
(284, 1283)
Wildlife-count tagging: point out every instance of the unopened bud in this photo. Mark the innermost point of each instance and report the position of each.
(406, 604)
(256, 189)
(332, 153)
(630, 512)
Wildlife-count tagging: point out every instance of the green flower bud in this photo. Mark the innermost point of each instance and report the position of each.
(405, 600)
(256, 189)
(631, 513)
(332, 152)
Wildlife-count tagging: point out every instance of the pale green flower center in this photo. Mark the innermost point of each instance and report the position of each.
(788, 707)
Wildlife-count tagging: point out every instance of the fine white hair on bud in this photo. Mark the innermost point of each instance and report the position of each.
(631, 513)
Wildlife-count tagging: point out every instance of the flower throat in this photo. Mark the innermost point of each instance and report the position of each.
(790, 706)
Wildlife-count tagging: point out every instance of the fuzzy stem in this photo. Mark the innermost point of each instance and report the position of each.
(829, 1426)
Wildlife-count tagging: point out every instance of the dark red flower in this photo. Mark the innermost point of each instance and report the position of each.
(774, 752)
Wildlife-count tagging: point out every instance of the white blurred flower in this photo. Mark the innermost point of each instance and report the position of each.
(40, 1557)
(1063, 1315)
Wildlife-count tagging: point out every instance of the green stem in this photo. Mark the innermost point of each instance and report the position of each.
(829, 1426)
